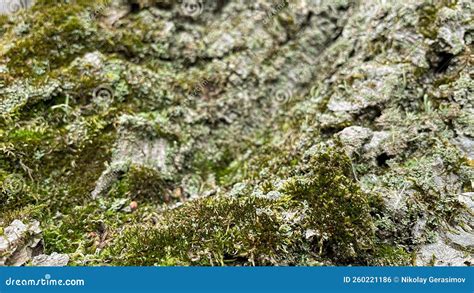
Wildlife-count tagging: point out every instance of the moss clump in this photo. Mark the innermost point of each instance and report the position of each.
(322, 215)
(339, 211)
(54, 30)
(26, 213)
(212, 231)
(141, 183)
(427, 17)
(84, 229)
(390, 256)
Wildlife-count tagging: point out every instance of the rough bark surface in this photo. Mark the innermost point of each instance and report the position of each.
(222, 132)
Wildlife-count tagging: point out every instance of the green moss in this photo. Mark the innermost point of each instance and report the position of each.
(25, 213)
(427, 13)
(60, 143)
(338, 209)
(207, 162)
(213, 231)
(142, 183)
(48, 158)
(26, 136)
(386, 255)
(258, 231)
(83, 229)
(53, 30)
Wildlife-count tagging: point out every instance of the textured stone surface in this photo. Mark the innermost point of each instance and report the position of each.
(53, 260)
(440, 254)
(19, 243)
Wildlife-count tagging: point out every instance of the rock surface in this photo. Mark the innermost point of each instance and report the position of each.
(53, 260)
(19, 243)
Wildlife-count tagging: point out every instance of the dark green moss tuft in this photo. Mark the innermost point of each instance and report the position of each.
(339, 211)
(142, 183)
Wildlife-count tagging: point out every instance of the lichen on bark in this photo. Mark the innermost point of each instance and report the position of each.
(240, 132)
